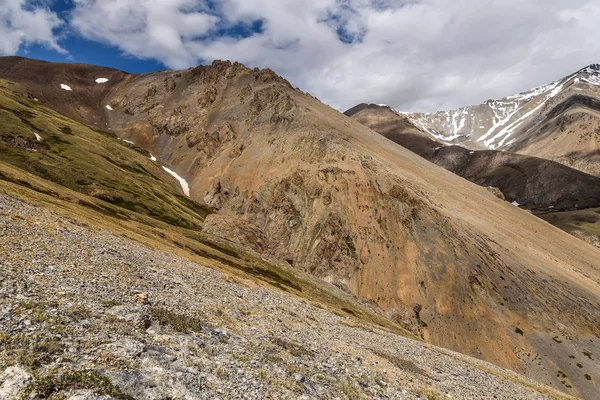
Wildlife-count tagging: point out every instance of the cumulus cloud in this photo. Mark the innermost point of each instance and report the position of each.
(159, 29)
(414, 55)
(23, 22)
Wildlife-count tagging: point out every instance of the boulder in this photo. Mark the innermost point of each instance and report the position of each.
(12, 382)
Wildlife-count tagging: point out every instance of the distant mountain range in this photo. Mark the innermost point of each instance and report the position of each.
(558, 121)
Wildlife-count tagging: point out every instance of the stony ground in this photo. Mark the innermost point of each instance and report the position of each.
(88, 315)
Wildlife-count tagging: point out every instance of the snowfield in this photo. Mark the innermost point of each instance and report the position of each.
(499, 123)
(182, 182)
(101, 80)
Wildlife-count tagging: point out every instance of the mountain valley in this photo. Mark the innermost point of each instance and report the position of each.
(313, 219)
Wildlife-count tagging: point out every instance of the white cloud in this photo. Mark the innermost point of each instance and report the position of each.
(414, 55)
(159, 29)
(24, 23)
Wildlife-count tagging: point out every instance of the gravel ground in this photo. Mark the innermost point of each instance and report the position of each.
(88, 315)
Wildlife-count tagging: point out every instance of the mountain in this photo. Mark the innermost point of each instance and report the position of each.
(416, 243)
(558, 121)
(534, 183)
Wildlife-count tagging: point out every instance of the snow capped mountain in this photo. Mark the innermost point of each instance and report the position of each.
(496, 124)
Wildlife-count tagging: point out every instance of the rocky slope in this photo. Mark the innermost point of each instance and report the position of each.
(433, 251)
(86, 313)
(558, 121)
(534, 183)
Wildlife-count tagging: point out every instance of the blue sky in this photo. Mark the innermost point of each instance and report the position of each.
(417, 55)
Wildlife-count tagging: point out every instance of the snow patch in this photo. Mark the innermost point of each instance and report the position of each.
(37, 137)
(152, 158)
(182, 182)
(128, 141)
(515, 203)
(65, 87)
(101, 80)
(108, 107)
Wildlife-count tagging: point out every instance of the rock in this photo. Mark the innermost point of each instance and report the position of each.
(299, 377)
(135, 314)
(496, 192)
(141, 298)
(86, 395)
(237, 230)
(12, 382)
(125, 348)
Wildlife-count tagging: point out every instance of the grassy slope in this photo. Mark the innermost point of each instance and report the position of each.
(90, 161)
(92, 176)
(582, 223)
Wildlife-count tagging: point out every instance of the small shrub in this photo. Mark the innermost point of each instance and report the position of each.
(295, 350)
(519, 331)
(405, 365)
(588, 377)
(66, 130)
(179, 322)
(74, 380)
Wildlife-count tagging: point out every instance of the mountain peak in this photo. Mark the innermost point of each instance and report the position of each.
(591, 69)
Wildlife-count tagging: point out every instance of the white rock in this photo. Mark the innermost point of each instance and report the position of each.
(13, 381)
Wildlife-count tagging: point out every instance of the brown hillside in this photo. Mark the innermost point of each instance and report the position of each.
(444, 256)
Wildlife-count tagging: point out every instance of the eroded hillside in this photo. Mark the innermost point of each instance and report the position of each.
(442, 256)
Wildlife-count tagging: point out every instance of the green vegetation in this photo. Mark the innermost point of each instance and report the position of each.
(519, 331)
(74, 380)
(401, 363)
(588, 377)
(90, 161)
(585, 221)
(294, 349)
(33, 352)
(179, 322)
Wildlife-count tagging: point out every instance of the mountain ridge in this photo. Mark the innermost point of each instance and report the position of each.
(353, 208)
(493, 124)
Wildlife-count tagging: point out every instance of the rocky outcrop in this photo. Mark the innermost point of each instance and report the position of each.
(239, 231)
(209, 334)
(13, 382)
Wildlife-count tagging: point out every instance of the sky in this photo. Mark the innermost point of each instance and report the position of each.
(415, 55)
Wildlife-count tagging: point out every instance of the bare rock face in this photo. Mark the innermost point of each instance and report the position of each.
(13, 381)
(238, 231)
(496, 192)
(353, 209)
